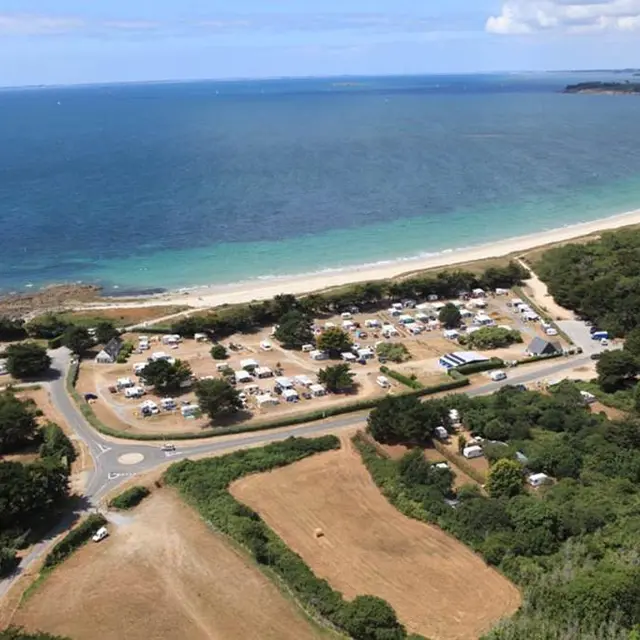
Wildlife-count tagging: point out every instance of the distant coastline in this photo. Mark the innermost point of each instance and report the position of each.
(604, 88)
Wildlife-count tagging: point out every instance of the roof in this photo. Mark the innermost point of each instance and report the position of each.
(113, 347)
(316, 388)
(458, 358)
(289, 393)
(540, 346)
(284, 382)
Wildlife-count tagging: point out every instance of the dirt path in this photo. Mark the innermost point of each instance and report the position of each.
(538, 291)
(437, 586)
(163, 575)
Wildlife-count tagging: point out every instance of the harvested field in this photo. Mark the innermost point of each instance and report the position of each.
(438, 587)
(123, 316)
(162, 575)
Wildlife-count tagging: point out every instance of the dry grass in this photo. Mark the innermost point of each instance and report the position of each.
(124, 316)
(438, 587)
(162, 575)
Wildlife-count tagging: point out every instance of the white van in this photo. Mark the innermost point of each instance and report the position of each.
(100, 534)
(383, 382)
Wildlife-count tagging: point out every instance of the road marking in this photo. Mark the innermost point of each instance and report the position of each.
(131, 458)
(112, 475)
(103, 448)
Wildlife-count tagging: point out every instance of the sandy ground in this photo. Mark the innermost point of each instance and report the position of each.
(162, 575)
(255, 290)
(437, 586)
(539, 293)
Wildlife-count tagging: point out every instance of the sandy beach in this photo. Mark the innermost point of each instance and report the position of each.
(214, 296)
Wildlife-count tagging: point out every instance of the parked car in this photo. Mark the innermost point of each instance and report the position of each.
(100, 534)
(168, 447)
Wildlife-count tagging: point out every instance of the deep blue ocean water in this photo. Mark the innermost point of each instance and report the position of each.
(172, 185)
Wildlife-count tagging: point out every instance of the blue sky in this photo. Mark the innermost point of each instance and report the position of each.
(75, 41)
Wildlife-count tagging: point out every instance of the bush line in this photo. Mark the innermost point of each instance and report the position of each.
(74, 540)
(409, 382)
(130, 498)
(477, 367)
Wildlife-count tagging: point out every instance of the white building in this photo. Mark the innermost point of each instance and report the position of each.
(317, 390)
(473, 451)
(290, 395)
(284, 383)
(242, 376)
(538, 479)
(347, 356)
(263, 372)
(316, 354)
(266, 400)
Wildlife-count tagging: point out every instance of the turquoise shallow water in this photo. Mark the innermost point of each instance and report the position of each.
(147, 186)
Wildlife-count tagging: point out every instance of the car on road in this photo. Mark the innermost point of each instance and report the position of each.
(167, 446)
(100, 534)
(595, 356)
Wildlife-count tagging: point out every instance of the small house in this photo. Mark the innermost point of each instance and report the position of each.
(200, 337)
(541, 347)
(267, 400)
(347, 356)
(284, 383)
(290, 395)
(538, 479)
(473, 451)
(242, 376)
(316, 354)
(249, 364)
(111, 351)
(263, 372)
(317, 390)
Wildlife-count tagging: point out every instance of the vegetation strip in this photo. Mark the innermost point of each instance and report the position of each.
(130, 498)
(204, 484)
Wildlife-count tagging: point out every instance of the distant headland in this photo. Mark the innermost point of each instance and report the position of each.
(608, 88)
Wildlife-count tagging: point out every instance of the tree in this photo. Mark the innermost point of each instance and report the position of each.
(218, 352)
(334, 341)
(505, 479)
(18, 423)
(449, 316)
(615, 370)
(27, 360)
(462, 442)
(55, 444)
(217, 397)
(15, 633)
(337, 379)
(47, 326)
(105, 331)
(393, 351)
(294, 330)
(632, 343)
(167, 377)
(77, 339)
(404, 419)
(371, 618)
(11, 329)
(8, 562)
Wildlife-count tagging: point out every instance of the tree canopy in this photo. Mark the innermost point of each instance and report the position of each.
(334, 341)
(18, 424)
(337, 378)
(371, 618)
(218, 352)
(27, 360)
(616, 369)
(105, 331)
(449, 316)
(599, 280)
(217, 397)
(11, 329)
(491, 338)
(47, 326)
(166, 377)
(406, 419)
(505, 479)
(77, 339)
(294, 330)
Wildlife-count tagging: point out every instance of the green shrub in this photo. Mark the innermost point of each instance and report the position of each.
(130, 498)
(55, 444)
(218, 352)
(8, 561)
(55, 343)
(477, 367)
(74, 540)
(125, 352)
(393, 351)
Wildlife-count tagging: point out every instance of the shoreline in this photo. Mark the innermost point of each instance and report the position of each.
(257, 289)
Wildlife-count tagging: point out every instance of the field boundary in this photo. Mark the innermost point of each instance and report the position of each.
(204, 484)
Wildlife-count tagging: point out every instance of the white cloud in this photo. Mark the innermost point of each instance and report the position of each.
(29, 25)
(570, 16)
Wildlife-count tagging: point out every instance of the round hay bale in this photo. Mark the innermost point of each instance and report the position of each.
(318, 533)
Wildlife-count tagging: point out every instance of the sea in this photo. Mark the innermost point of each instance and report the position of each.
(153, 186)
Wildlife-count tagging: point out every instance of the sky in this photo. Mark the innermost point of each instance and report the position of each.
(83, 41)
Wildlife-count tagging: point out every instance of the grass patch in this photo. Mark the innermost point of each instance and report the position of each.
(622, 399)
(121, 317)
(412, 383)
